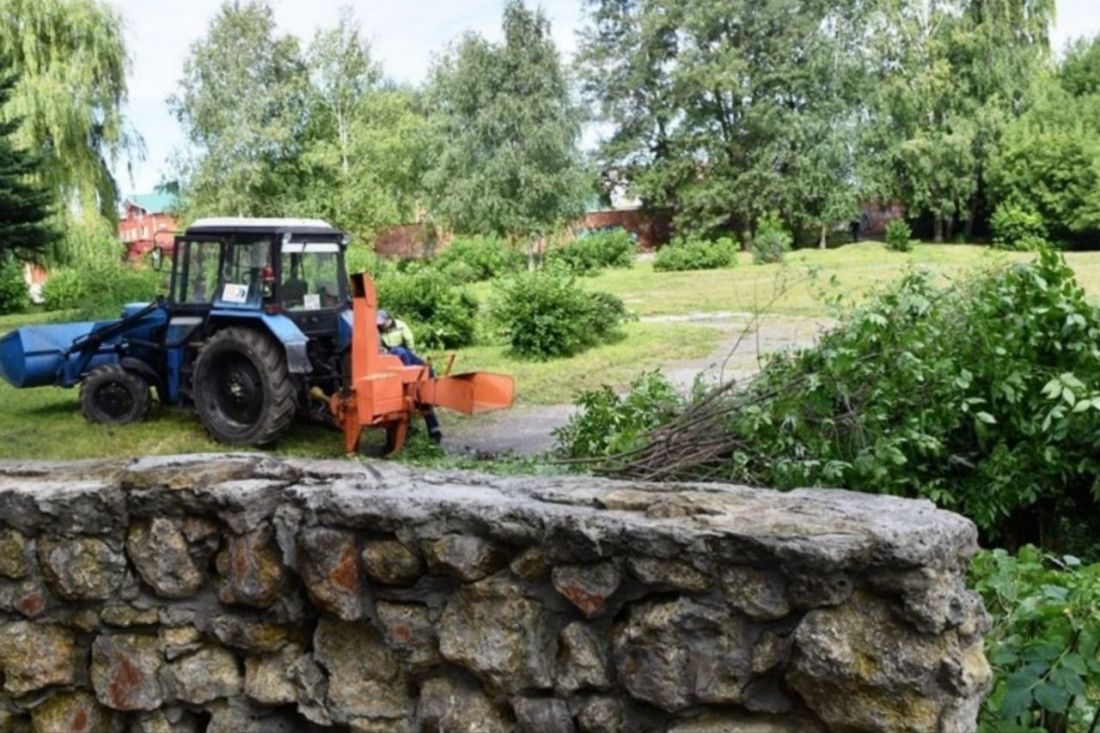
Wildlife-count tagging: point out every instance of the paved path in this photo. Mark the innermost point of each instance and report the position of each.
(527, 430)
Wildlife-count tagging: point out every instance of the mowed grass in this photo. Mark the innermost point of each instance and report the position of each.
(47, 424)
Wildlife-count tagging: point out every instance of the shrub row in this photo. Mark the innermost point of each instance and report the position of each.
(595, 251)
(13, 289)
(696, 254)
(101, 289)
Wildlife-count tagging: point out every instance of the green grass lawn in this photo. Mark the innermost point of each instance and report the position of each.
(46, 423)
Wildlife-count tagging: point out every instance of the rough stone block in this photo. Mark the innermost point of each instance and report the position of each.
(408, 631)
(208, 674)
(458, 706)
(493, 630)
(14, 563)
(35, 656)
(391, 563)
(365, 680)
(84, 569)
(465, 557)
(588, 587)
(75, 712)
(124, 672)
(329, 565)
(250, 569)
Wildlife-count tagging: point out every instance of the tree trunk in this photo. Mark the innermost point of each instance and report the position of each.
(937, 229)
(746, 236)
(949, 235)
(824, 242)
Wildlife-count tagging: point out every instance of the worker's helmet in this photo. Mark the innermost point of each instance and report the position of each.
(382, 319)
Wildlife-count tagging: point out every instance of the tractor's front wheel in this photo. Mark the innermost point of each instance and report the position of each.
(242, 388)
(110, 394)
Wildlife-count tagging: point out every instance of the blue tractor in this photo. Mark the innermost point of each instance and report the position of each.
(258, 317)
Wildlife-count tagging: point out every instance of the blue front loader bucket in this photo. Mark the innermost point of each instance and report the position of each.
(34, 356)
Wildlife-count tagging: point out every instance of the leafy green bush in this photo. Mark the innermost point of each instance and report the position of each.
(607, 424)
(546, 315)
(595, 251)
(13, 288)
(1045, 642)
(1017, 228)
(473, 259)
(982, 395)
(440, 314)
(361, 258)
(899, 237)
(772, 242)
(101, 289)
(696, 254)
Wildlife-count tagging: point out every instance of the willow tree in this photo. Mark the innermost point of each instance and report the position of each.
(71, 62)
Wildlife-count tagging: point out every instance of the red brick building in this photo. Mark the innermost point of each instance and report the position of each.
(148, 220)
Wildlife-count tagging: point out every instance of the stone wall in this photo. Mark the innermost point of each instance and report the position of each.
(241, 594)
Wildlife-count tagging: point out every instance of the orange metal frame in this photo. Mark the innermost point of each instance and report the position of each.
(384, 393)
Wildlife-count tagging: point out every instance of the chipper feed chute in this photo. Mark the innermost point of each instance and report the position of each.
(384, 393)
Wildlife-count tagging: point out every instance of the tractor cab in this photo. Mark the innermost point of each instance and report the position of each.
(293, 267)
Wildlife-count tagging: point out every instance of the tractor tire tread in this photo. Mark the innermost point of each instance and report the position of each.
(137, 385)
(281, 397)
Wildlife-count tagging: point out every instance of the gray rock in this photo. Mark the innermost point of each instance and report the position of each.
(670, 573)
(250, 569)
(542, 715)
(268, 679)
(391, 563)
(531, 564)
(760, 594)
(365, 680)
(407, 630)
(858, 668)
(208, 674)
(679, 653)
(465, 557)
(27, 597)
(159, 550)
(453, 706)
(14, 563)
(588, 587)
(169, 720)
(124, 672)
(75, 712)
(503, 637)
(329, 565)
(742, 723)
(35, 656)
(602, 715)
(84, 569)
(582, 659)
(249, 634)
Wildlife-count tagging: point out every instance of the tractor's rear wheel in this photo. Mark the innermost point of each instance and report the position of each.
(242, 388)
(110, 394)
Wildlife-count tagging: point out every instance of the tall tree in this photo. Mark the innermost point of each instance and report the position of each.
(509, 161)
(25, 205)
(716, 105)
(71, 62)
(367, 142)
(242, 103)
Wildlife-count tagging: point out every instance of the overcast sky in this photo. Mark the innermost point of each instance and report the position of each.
(405, 35)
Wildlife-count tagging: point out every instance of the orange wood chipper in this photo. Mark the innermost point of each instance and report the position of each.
(385, 393)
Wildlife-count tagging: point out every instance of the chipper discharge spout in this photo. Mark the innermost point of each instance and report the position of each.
(384, 393)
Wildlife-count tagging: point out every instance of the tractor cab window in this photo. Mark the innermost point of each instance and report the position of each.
(311, 277)
(247, 275)
(199, 274)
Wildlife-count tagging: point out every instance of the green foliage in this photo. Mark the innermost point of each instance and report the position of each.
(71, 59)
(241, 103)
(1079, 72)
(13, 289)
(983, 396)
(24, 204)
(1017, 228)
(441, 314)
(1049, 161)
(607, 424)
(595, 251)
(899, 237)
(509, 161)
(696, 254)
(1045, 642)
(100, 289)
(545, 314)
(772, 242)
(362, 258)
(474, 259)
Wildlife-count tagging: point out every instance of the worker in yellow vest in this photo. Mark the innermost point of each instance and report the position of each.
(398, 339)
